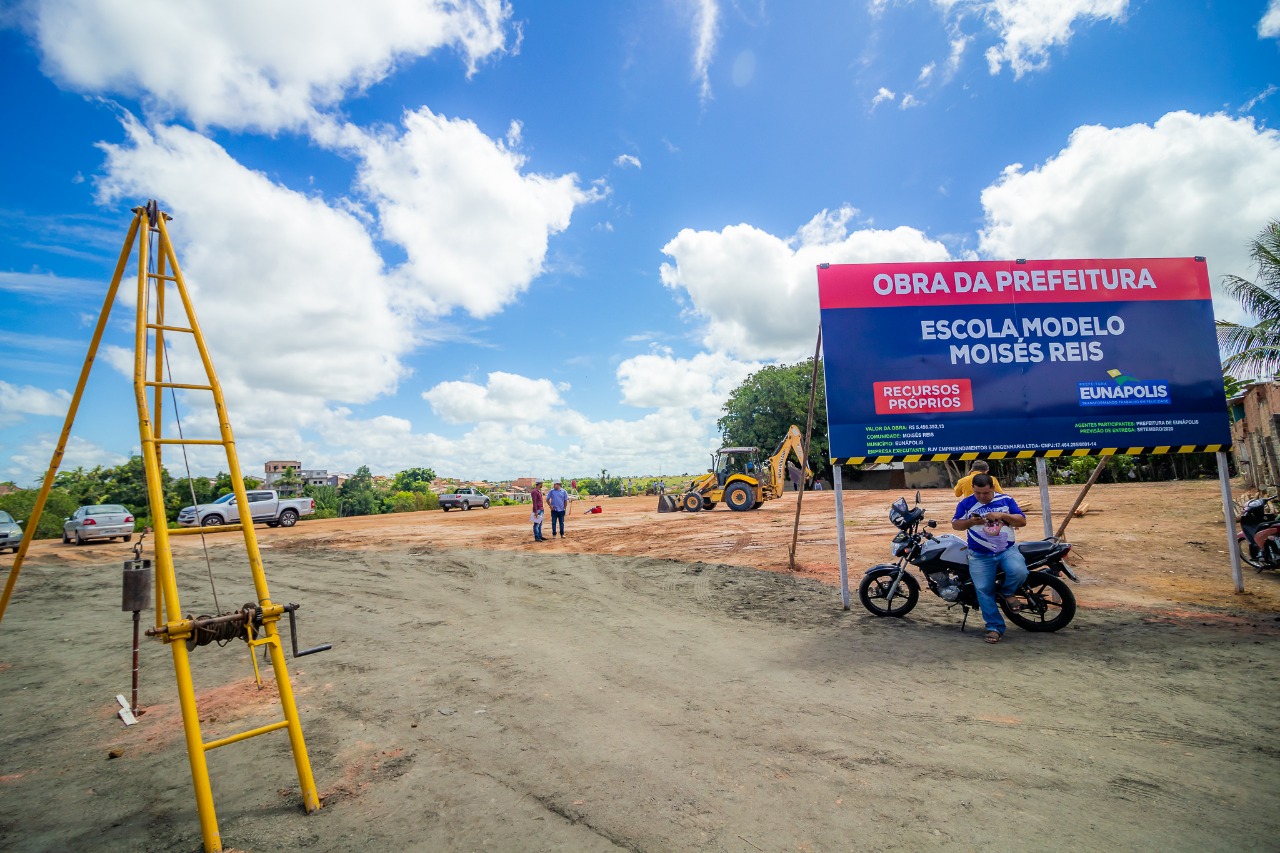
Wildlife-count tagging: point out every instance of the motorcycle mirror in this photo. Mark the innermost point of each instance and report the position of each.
(933, 522)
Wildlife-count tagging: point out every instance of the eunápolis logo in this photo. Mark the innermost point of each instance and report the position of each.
(1124, 390)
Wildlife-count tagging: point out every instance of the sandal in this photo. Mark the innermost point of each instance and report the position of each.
(993, 637)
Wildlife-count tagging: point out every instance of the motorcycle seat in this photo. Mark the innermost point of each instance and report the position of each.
(1038, 548)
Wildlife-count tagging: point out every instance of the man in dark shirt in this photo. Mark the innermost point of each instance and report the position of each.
(536, 517)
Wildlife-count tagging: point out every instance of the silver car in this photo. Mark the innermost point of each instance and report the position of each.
(10, 532)
(98, 521)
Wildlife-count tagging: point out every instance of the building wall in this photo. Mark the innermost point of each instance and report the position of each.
(1255, 435)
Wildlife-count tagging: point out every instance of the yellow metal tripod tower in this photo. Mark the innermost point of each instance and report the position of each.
(158, 274)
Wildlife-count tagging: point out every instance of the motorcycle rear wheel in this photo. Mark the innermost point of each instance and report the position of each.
(1043, 603)
(874, 590)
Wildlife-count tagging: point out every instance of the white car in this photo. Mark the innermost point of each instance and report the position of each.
(10, 532)
(98, 521)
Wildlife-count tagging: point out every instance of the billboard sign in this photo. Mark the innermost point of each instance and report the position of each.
(1020, 358)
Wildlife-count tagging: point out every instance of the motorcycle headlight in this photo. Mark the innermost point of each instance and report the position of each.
(900, 545)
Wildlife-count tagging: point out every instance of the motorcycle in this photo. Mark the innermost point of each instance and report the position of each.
(1043, 603)
(1258, 539)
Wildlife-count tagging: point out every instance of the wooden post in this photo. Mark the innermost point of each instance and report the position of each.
(804, 451)
(1093, 478)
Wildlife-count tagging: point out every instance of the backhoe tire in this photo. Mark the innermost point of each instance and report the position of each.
(692, 502)
(739, 497)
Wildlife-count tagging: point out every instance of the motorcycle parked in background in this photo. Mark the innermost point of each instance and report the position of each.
(1043, 603)
(1258, 538)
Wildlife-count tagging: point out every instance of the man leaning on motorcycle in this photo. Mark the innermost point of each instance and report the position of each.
(988, 516)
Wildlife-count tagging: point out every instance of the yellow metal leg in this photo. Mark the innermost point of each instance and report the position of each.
(195, 748)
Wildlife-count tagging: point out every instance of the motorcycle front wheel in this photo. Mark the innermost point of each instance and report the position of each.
(873, 592)
(1246, 555)
(1043, 603)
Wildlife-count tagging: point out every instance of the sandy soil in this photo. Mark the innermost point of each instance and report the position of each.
(643, 685)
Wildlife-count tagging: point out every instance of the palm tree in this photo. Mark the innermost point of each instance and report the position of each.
(1255, 349)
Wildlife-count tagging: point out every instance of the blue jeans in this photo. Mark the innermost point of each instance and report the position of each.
(537, 527)
(557, 515)
(982, 567)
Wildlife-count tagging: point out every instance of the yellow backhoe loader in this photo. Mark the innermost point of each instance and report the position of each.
(742, 477)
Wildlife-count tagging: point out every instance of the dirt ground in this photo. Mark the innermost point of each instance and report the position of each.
(643, 685)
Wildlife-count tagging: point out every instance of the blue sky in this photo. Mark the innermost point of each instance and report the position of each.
(504, 239)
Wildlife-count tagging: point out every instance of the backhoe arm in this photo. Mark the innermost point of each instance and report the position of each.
(792, 442)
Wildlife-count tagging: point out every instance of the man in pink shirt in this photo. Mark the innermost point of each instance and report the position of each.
(536, 516)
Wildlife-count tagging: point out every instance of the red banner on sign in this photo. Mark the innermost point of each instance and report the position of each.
(960, 283)
(916, 397)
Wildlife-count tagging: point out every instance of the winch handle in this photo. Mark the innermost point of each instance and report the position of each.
(293, 635)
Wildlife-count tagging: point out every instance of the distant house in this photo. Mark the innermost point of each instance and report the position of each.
(278, 466)
(274, 470)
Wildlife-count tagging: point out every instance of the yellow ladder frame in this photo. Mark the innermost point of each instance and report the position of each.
(175, 629)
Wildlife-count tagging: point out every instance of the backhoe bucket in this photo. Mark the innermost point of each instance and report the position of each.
(667, 503)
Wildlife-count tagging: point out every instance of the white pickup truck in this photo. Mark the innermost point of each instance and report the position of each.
(464, 498)
(264, 506)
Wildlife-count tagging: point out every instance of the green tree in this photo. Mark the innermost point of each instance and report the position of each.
(57, 507)
(412, 479)
(222, 484)
(326, 498)
(357, 495)
(759, 412)
(400, 502)
(1255, 350)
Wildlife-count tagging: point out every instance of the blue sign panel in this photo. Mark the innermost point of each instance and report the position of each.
(1037, 358)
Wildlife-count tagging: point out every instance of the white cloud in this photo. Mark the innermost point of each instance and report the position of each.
(50, 287)
(474, 226)
(908, 101)
(18, 401)
(705, 16)
(291, 293)
(757, 294)
(27, 466)
(703, 382)
(881, 96)
(1269, 26)
(1187, 185)
(245, 64)
(1260, 97)
(626, 160)
(508, 398)
(1029, 29)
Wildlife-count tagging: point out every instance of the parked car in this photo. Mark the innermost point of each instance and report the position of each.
(98, 521)
(265, 506)
(10, 532)
(464, 498)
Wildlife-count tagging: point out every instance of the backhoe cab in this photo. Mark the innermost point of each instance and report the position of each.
(743, 477)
